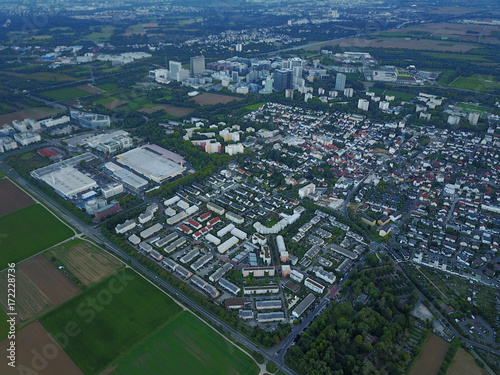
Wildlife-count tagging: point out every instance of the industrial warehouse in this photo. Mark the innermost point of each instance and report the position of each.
(153, 162)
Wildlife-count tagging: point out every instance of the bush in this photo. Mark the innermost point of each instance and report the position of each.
(271, 367)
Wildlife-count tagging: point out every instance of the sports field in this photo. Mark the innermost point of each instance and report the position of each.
(113, 316)
(84, 260)
(28, 231)
(185, 346)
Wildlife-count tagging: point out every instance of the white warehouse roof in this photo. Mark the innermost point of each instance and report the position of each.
(69, 181)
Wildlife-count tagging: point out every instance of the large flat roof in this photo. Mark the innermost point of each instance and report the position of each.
(69, 181)
(150, 164)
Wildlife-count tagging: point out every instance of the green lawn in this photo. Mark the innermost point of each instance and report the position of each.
(185, 346)
(477, 82)
(64, 94)
(396, 94)
(29, 231)
(112, 317)
(253, 107)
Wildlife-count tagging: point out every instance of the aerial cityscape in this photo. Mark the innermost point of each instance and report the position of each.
(250, 187)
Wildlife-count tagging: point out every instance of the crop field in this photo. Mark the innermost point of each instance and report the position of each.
(12, 198)
(90, 89)
(185, 346)
(113, 316)
(37, 353)
(28, 231)
(101, 33)
(477, 82)
(65, 94)
(39, 286)
(210, 99)
(108, 86)
(463, 363)
(36, 113)
(445, 31)
(86, 261)
(4, 325)
(48, 76)
(430, 357)
(400, 43)
(170, 109)
(29, 301)
(115, 104)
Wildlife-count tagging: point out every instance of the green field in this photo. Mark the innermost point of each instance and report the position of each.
(113, 316)
(185, 346)
(253, 107)
(108, 86)
(47, 76)
(101, 33)
(29, 231)
(477, 82)
(455, 56)
(4, 326)
(64, 94)
(396, 94)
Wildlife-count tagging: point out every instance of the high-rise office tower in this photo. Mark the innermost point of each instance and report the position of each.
(340, 82)
(197, 65)
(282, 79)
(174, 67)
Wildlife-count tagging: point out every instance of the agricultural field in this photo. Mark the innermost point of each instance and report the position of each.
(48, 76)
(28, 231)
(91, 89)
(85, 261)
(4, 325)
(108, 86)
(36, 113)
(400, 43)
(211, 99)
(477, 82)
(113, 316)
(65, 94)
(185, 346)
(170, 109)
(39, 287)
(430, 357)
(448, 31)
(37, 353)
(101, 33)
(463, 363)
(12, 198)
